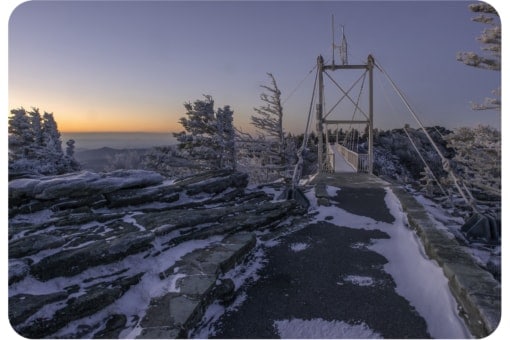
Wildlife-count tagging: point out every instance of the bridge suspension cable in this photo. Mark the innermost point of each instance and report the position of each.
(446, 163)
(298, 169)
(415, 147)
(299, 85)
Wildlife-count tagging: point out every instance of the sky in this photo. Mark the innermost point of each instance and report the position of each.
(131, 65)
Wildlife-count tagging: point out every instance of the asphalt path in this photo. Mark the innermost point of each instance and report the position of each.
(316, 282)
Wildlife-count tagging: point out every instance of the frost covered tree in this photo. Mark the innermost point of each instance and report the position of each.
(490, 59)
(21, 136)
(35, 146)
(209, 137)
(52, 143)
(269, 118)
(69, 156)
(70, 148)
(478, 157)
(225, 137)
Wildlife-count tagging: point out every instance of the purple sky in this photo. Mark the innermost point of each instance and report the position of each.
(117, 65)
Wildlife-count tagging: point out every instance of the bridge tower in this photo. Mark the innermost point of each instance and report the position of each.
(321, 118)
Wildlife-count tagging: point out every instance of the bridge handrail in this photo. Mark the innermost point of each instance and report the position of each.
(358, 161)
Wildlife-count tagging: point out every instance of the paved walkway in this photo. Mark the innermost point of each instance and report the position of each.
(327, 277)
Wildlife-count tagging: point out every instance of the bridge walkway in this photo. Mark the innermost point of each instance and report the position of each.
(341, 165)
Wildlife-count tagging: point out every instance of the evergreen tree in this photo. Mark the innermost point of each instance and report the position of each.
(51, 135)
(491, 47)
(209, 137)
(21, 137)
(70, 148)
(35, 146)
(269, 117)
(35, 122)
(226, 137)
(70, 161)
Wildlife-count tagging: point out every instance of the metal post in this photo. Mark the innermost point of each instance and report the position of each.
(370, 65)
(320, 153)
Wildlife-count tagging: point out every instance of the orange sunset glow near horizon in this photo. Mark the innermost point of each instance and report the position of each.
(129, 66)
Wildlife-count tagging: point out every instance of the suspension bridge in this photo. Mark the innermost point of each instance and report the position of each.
(345, 161)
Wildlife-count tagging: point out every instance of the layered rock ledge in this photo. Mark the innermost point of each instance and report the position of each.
(94, 254)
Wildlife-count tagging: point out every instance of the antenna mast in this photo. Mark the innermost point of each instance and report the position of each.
(343, 48)
(333, 34)
(343, 45)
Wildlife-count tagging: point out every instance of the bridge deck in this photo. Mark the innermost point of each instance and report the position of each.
(341, 165)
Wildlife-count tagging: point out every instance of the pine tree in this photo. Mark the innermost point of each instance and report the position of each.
(21, 137)
(50, 134)
(491, 47)
(208, 137)
(70, 161)
(226, 137)
(70, 148)
(35, 146)
(269, 117)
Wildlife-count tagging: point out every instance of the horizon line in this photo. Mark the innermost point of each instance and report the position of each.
(158, 132)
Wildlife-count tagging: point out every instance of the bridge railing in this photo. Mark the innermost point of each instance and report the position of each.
(363, 165)
(331, 162)
(356, 160)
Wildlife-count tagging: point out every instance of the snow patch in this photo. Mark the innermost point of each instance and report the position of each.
(358, 245)
(418, 279)
(173, 283)
(298, 246)
(332, 191)
(322, 329)
(271, 243)
(358, 280)
(130, 219)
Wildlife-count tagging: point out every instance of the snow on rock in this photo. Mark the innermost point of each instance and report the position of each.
(358, 280)
(298, 246)
(89, 252)
(323, 329)
(332, 191)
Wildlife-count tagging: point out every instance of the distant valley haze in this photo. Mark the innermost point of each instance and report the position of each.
(119, 140)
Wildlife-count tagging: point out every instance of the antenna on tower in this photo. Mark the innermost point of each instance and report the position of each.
(333, 34)
(343, 48)
(343, 44)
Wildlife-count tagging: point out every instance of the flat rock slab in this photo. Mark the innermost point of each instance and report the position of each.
(173, 314)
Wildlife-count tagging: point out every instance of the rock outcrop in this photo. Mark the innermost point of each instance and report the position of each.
(83, 246)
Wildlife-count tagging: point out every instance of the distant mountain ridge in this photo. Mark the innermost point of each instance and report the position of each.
(97, 159)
